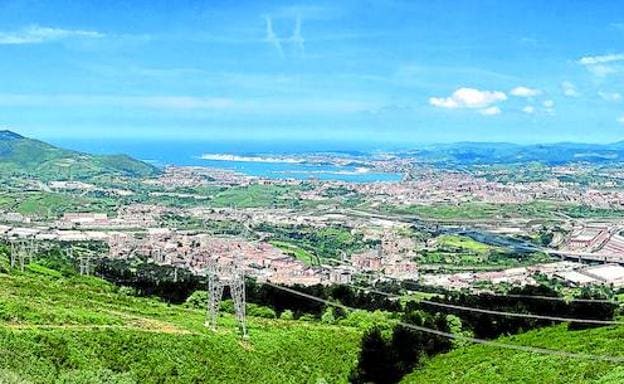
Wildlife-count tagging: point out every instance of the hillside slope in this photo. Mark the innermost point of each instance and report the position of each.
(485, 364)
(55, 329)
(22, 155)
(472, 153)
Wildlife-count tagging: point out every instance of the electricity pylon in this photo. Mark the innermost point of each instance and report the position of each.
(84, 262)
(22, 250)
(84, 258)
(231, 274)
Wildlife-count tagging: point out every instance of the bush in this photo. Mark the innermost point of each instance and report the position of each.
(328, 316)
(8, 377)
(197, 300)
(226, 306)
(287, 315)
(307, 317)
(260, 311)
(128, 291)
(368, 320)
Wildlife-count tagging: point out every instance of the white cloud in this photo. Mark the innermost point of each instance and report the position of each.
(601, 59)
(491, 111)
(610, 96)
(569, 89)
(36, 34)
(601, 70)
(468, 98)
(529, 109)
(602, 65)
(296, 39)
(620, 119)
(525, 92)
(548, 104)
(271, 37)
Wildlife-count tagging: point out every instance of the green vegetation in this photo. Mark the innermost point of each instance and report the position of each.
(52, 205)
(480, 210)
(456, 252)
(24, 156)
(297, 252)
(584, 212)
(486, 364)
(477, 210)
(256, 196)
(463, 242)
(324, 243)
(83, 330)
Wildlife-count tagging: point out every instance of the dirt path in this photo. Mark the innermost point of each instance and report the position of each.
(151, 326)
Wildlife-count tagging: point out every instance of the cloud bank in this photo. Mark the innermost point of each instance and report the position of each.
(36, 35)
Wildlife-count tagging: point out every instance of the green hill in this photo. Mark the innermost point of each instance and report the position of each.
(56, 329)
(485, 364)
(21, 155)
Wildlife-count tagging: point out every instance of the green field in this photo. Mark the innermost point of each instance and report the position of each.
(489, 365)
(84, 330)
(53, 205)
(456, 252)
(255, 196)
(480, 211)
(296, 252)
(464, 243)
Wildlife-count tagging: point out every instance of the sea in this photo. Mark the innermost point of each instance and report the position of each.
(254, 158)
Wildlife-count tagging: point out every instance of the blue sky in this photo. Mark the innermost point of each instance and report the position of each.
(402, 72)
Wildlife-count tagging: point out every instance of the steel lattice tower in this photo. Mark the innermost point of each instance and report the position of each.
(84, 257)
(85, 263)
(22, 250)
(229, 274)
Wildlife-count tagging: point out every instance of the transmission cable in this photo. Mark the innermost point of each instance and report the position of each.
(522, 348)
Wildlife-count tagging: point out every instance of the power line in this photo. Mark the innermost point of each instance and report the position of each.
(552, 298)
(501, 313)
(522, 348)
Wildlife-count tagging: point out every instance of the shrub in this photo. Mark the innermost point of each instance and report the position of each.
(260, 311)
(128, 291)
(197, 300)
(328, 316)
(287, 315)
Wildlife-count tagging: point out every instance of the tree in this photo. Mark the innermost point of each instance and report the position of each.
(376, 361)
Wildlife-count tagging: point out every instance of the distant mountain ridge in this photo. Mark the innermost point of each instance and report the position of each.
(9, 135)
(22, 155)
(477, 153)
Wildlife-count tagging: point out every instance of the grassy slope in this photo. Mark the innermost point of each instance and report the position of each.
(53, 203)
(488, 365)
(296, 252)
(24, 155)
(80, 330)
(253, 196)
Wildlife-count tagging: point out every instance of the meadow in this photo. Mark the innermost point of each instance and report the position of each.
(481, 364)
(72, 329)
